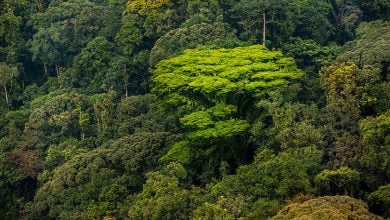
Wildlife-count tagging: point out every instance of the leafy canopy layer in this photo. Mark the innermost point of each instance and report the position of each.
(216, 74)
(206, 89)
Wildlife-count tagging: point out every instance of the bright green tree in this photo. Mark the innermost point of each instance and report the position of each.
(216, 76)
(210, 89)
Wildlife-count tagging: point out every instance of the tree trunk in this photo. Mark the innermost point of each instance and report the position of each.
(58, 70)
(126, 82)
(6, 95)
(46, 69)
(126, 88)
(264, 28)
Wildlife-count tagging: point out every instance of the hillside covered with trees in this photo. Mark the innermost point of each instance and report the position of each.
(194, 109)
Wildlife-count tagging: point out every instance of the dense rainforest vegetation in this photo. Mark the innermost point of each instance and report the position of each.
(194, 109)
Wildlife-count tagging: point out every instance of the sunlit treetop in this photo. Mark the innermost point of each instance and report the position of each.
(222, 72)
(206, 88)
(143, 6)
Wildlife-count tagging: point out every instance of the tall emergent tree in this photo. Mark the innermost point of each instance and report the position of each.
(7, 76)
(212, 92)
(266, 18)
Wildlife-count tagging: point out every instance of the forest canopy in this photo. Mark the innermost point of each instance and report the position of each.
(194, 109)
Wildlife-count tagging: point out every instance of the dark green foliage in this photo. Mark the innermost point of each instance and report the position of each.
(339, 83)
(8, 74)
(370, 52)
(159, 17)
(175, 41)
(96, 184)
(379, 201)
(92, 64)
(374, 152)
(375, 9)
(142, 114)
(10, 24)
(269, 180)
(347, 16)
(64, 29)
(58, 118)
(163, 198)
(167, 109)
(313, 22)
(276, 16)
(309, 54)
(294, 127)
